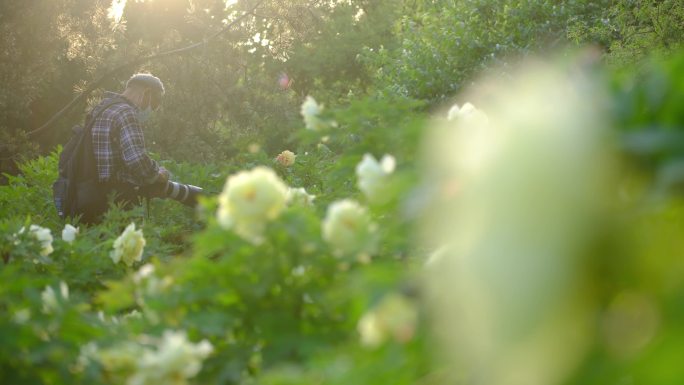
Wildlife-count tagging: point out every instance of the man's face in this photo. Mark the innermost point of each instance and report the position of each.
(152, 99)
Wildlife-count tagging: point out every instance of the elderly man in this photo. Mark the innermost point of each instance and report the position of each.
(122, 164)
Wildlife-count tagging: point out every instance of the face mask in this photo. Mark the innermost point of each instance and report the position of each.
(145, 114)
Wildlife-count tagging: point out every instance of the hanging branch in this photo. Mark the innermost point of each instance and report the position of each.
(133, 62)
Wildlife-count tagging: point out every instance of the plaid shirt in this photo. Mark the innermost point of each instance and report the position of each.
(122, 157)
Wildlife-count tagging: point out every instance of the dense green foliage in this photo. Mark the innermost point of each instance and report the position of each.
(296, 306)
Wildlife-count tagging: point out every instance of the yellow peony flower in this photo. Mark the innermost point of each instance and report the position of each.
(129, 246)
(286, 158)
(394, 317)
(347, 227)
(249, 200)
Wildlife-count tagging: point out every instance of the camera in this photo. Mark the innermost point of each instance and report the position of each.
(184, 193)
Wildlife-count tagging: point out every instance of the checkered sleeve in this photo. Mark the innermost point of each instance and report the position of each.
(133, 152)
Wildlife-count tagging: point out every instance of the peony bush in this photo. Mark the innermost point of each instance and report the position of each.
(319, 268)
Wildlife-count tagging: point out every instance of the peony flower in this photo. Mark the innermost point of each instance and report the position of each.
(21, 316)
(87, 354)
(249, 200)
(148, 283)
(310, 112)
(253, 148)
(43, 235)
(284, 81)
(119, 361)
(129, 246)
(286, 158)
(534, 186)
(69, 233)
(299, 196)
(371, 331)
(49, 297)
(173, 361)
(395, 317)
(467, 112)
(373, 175)
(347, 227)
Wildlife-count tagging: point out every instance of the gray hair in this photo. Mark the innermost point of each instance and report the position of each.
(146, 80)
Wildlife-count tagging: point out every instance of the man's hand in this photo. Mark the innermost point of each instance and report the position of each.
(164, 175)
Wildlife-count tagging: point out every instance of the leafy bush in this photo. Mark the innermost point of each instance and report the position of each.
(339, 288)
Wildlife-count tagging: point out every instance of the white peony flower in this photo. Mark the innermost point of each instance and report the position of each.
(145, 271)
(372, 176)
(43, 235)
(370, 330)
(171, 359)
(22, 316)
(49, 300)
(174, 361)
(347, 227)
(121, 360)
(249, 200)
(49, 297)
(394, 317)
(310, 107)
(69, 233)
(134, 314)
(286, 158)
(310, 112)
(128, 247)
(87, 354)
(148, 284)
(466, 113)
(534, 187)
(299, 196)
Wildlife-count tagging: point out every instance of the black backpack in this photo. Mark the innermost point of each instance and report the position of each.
(77, 190)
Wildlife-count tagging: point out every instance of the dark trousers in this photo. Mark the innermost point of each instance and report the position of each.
(92, 201)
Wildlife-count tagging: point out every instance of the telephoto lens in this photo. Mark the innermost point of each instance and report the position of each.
(184, 193)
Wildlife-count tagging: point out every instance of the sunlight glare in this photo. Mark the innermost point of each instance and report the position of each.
(115, 11)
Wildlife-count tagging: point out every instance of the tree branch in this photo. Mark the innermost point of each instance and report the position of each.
(133, 62)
